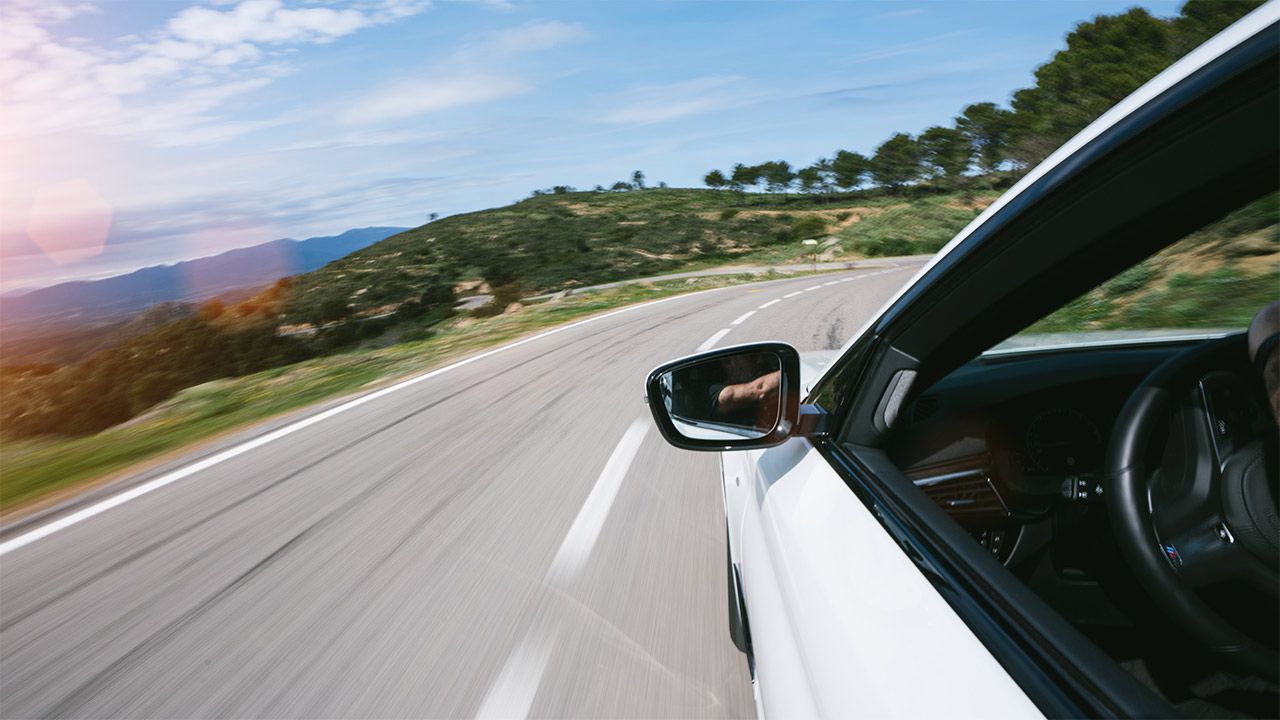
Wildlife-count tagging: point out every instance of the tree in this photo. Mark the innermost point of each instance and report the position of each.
(987, 128)
(432, 217)
(777, 175)
(620, 186)
(947, 152)
(897, 162)
(332, 308)
(744, 176)
(637, 179)
(1200, 20)
(1105, 60)
(598, 188)
(849, 169)
(811, 179)
(715, 180)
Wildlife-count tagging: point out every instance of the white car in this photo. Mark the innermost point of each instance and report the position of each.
(1043, 480)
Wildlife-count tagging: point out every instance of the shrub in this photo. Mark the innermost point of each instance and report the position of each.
(808, 227)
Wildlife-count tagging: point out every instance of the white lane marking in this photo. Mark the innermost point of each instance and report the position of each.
(775, 301)
(791, 295)
(585, 530)
(512, 693)
(171, 477)
(711, 341)
(815, 287)
(846, 279)
(516, 686)
(833, 282)
(743, 317)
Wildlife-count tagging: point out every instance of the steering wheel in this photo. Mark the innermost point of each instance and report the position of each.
(1206, 511)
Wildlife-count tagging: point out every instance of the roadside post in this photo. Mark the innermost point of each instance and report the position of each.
(813, 252)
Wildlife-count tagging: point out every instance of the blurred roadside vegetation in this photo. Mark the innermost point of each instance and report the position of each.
(35, 467)
(1216, 277)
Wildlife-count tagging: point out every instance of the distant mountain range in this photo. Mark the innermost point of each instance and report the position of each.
(190, 280)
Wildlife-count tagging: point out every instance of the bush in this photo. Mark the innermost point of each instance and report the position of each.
(728, 213)
(1130, 280)
(809, 227)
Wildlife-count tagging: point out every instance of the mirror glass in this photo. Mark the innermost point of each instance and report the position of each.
(728, 397)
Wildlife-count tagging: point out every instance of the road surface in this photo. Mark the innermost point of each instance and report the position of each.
(509, 537)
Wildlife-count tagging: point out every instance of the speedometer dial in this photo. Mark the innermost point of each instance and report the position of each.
(1062, 441)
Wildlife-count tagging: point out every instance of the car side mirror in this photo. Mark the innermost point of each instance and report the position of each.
(734, 398)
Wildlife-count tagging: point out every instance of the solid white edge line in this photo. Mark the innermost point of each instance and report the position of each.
(774, 301)
(743, 317)
(102, 506)
(711, 341)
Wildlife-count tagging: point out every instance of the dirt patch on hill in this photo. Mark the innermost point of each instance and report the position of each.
(975, 203)
(652, 256)
(837, 218)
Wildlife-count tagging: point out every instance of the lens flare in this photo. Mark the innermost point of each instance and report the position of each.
(69, 221)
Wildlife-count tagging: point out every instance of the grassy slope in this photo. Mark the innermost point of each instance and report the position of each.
(1217, 277)
(552, 242)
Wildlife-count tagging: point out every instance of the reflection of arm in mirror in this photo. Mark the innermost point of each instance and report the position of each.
(747, 394)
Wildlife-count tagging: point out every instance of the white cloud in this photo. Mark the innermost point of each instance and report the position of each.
(534, 36)
(265, 21)
(407, 98)
(52, 85)
(897, 14)
(478, 72)
(907, 48)
(659, 103)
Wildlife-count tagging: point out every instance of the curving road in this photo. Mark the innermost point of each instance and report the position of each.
(507, 537)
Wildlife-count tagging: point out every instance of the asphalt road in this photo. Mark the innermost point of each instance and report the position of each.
(506, 538)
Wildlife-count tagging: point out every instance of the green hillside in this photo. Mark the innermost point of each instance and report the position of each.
(554, 242)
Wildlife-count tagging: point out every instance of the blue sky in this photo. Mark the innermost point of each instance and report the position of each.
(137, 133)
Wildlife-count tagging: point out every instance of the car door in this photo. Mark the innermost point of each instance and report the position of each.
(842, 621)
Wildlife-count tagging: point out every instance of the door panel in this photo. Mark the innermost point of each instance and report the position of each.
(843, 623)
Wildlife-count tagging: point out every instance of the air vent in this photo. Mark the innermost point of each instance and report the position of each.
(923, 409)
(967, 495)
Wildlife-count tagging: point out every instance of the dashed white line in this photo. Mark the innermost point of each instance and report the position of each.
(512, 693)
(586, 527)
(833, 282)
(774, 301)
(516, 686)
(815, 287)
(711, 341)
(743, 317)
(791, 295)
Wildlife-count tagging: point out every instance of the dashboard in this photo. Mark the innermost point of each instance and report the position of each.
(1001, 444)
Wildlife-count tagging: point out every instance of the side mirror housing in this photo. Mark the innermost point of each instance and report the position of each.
(733, 398)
